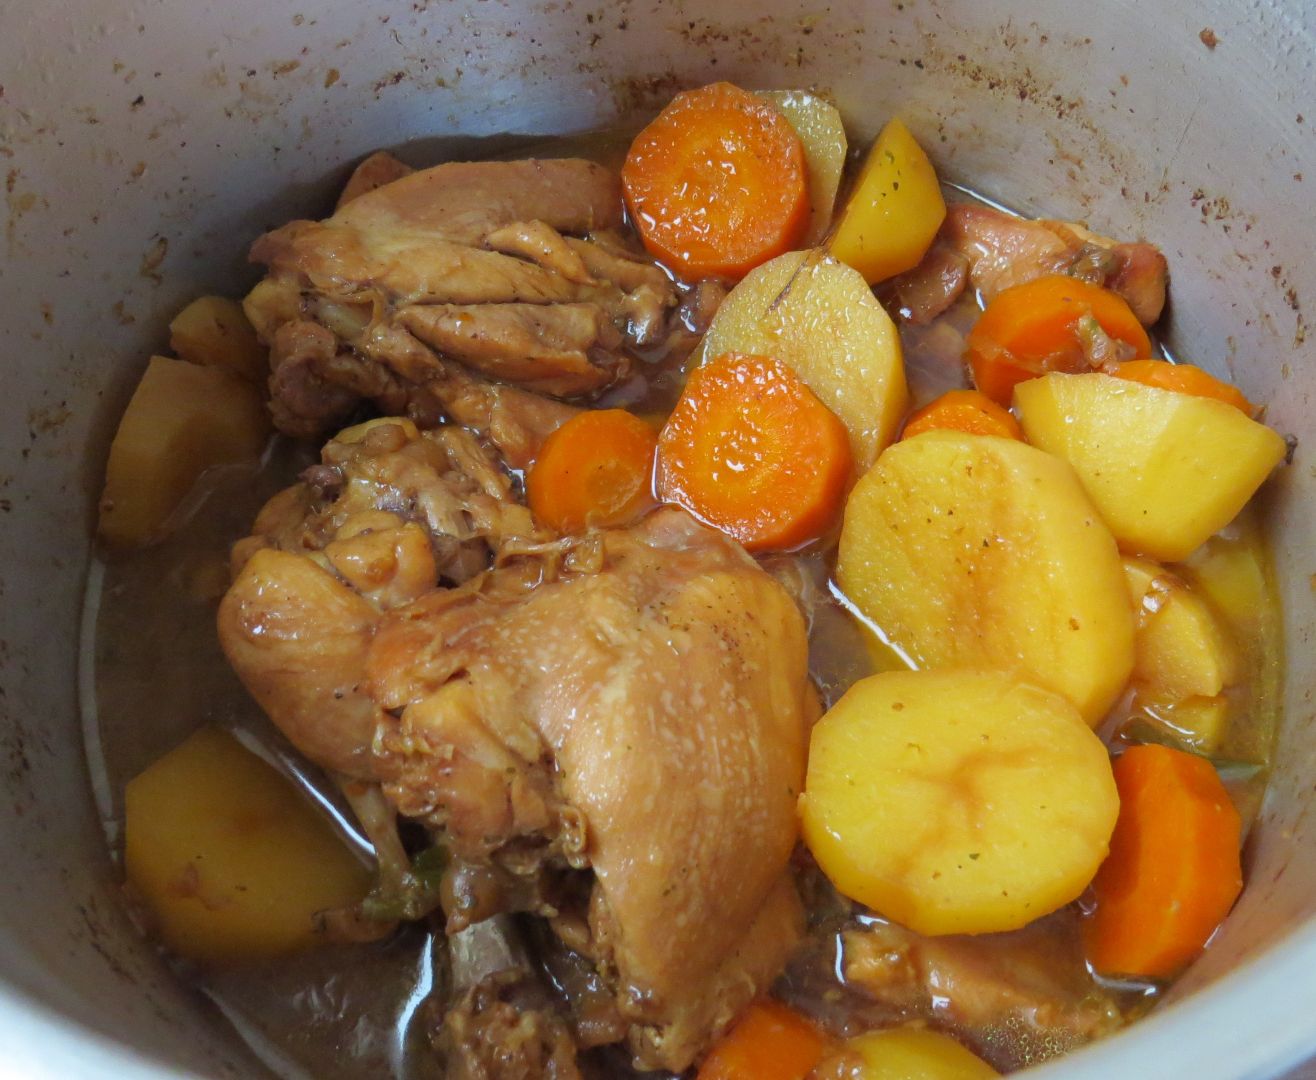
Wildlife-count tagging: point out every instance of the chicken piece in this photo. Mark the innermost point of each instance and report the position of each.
(375, 171)
(297, 637)
(929, 289)
(1033, 978)
(1001, 250)
(636, 704)
(389, 512)
(679, 666)
(1141, 276)
(542, 244)
(375, 479)
(467, 200)
(543, 348)
(502, 1025)
(633, 704)
(1004, 250)
(511, 269)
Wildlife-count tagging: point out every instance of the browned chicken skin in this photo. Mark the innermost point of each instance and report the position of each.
(1028, 988)
(434, 285)
(993, 251)
(634, 703)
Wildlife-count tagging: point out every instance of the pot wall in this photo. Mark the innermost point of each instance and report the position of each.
(146, 143)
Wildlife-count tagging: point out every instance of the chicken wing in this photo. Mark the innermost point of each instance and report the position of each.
(510, 269)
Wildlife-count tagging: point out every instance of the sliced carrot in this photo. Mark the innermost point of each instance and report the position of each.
(717, 183)
(969, 411)
(1031, 329)
(1185, 379)
(1173, 871)
(769, 1042)
(751, 450)
(595, 470)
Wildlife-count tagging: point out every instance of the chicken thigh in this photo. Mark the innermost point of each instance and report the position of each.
(634, 704)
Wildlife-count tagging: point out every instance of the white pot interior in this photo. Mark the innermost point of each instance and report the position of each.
(145, 145)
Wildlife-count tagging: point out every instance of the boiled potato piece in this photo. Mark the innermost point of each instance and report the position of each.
(818, 317)
(1184, 656)
(231, 861)
(1233, 572)
(1181, 648)
(213, 331)
(975, 551)
(1199, 724)
(181, 421)
(916, 1054)
(1165, 469)
(957, 802)
(820, 129)
(894, 211)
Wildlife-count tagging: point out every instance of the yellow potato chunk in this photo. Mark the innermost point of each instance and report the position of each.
(819, 317)
(822, 133)
(213, 331)
(1233, 572)
(1184, 656)
(1199, 724)
(974, 551)
(231, 861)
(1165, 469)
(894, 211)
(916, 1054)
(1181, 648)
(957, 802)
(181, 421)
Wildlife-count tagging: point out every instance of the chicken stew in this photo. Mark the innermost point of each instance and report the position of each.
(703, 609)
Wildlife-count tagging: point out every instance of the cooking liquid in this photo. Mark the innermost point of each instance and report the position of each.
(153, 673)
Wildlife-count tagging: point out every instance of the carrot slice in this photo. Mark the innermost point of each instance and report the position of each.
(595, 470)
(769, 1042)
(717, 183)
(969, 411)
(751, 450)
(1185, 379)
(1173, 871)
(1032, 328)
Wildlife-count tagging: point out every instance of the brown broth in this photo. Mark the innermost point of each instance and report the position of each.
(153, 673)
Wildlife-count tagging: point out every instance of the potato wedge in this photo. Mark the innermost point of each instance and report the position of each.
(1233, 572)
(231, 861)
(819, 126)
(975, 551)
(213, 331)
(895, 210)
(1166, 470)
(818, 317)
(1182, 649)
(182, 420)
(911, 1053)
(1185, 657)
(957, 802)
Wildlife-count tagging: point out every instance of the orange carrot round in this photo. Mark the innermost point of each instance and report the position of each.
(1032, 328)
(751, 450)
(769, 1042)
(1173, 871)
(595, 470)
(717, 183)
(1185, 379)
(969, 411)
